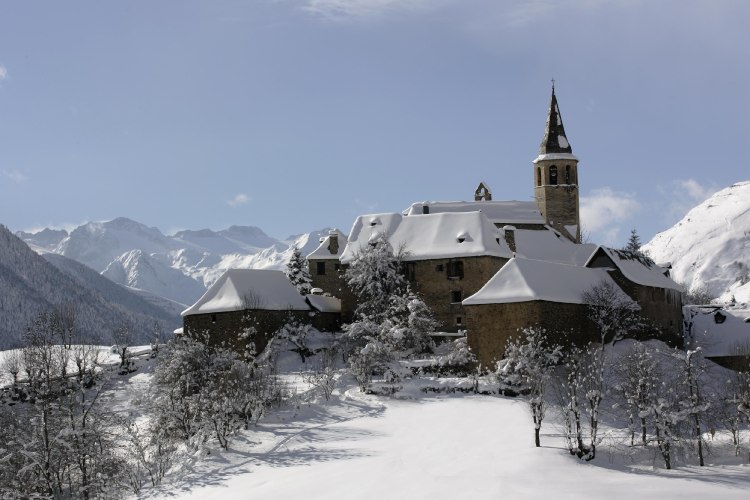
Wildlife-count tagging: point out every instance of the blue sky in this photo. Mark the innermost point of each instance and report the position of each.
(294, 115)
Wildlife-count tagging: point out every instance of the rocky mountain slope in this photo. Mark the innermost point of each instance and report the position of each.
(31, 285)
(178, 267)
(710, 247)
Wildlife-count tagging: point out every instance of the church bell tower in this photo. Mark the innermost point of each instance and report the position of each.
(556, 177)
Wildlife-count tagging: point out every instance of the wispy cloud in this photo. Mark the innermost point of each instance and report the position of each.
(605, 212)
(354, 9)
(685, 194)
(240, 199)
(14, 175)
(3, 73)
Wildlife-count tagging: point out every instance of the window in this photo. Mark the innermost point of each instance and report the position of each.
(425, 209)
(336, 266)
(409, 270)
(719, 318)
(456, 296)
(567, 174)
(321, 268)
(440, 268)
(213, 318)
(538, 176)
(455, 269)
(553, 175)
(459, 321)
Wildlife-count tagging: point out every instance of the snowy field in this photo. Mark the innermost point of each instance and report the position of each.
(359, 446)
(444, 447)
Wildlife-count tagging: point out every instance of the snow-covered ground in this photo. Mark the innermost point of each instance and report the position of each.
(436, 446)
(443, 447)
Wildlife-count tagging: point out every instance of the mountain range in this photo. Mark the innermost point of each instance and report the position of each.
(178, 267)
(32, 284)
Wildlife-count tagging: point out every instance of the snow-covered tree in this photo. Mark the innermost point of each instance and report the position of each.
(638, 376)
(387, 309)
(527, 368)
(581, 392)
(297, 271)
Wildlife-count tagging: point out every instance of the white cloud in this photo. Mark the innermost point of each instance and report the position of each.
(14, 175)
(3, 73)
(238, 200)
(604, 213)
(348, 9)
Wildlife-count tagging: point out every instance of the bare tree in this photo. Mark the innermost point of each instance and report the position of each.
(324, 376)
(123, 337)
(612, 311)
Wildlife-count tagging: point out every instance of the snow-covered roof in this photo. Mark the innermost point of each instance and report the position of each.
(555, 156)
(258, 288)
(433, 236)
(323, 251)
(724, 337)
(549, 245)
(498, 212)
(524, 280)
(324, 303)
(637, 270)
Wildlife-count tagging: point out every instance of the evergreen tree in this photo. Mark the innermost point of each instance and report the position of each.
(634, 242)
(297, 272)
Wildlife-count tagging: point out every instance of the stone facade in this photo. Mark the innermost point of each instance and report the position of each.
(328, 275)
(443, 288)
(441, 283)
(491, 325)
(557, 196)
(225, 327)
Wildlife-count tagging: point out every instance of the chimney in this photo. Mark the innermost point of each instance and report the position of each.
(510, 237)
(333, 241)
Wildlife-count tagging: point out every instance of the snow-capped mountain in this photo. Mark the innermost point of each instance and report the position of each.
(710, 246)
(178, 267)
(31, 284)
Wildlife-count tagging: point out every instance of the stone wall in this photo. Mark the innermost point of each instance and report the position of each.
(437, 290)
(430, 281)
(225, 327)
(332, 282)
(491, 325)
(662, 307)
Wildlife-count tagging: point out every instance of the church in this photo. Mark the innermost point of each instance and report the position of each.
(486, 268)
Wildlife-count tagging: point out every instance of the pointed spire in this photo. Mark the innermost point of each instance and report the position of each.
(554, 140)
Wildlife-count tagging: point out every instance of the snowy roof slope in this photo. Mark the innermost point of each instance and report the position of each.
(636, 271)
(711, 244)
(524, 280)
(433, 236)
(548, 245)
(323, 303)
(498, 212)
(323, 252)
(718, 339)
(270, 289)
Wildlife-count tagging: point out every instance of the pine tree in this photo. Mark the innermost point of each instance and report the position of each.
(296, 271)
(634, 242)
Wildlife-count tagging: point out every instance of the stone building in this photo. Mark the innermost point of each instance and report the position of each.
(249, 305)
(467, 259)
